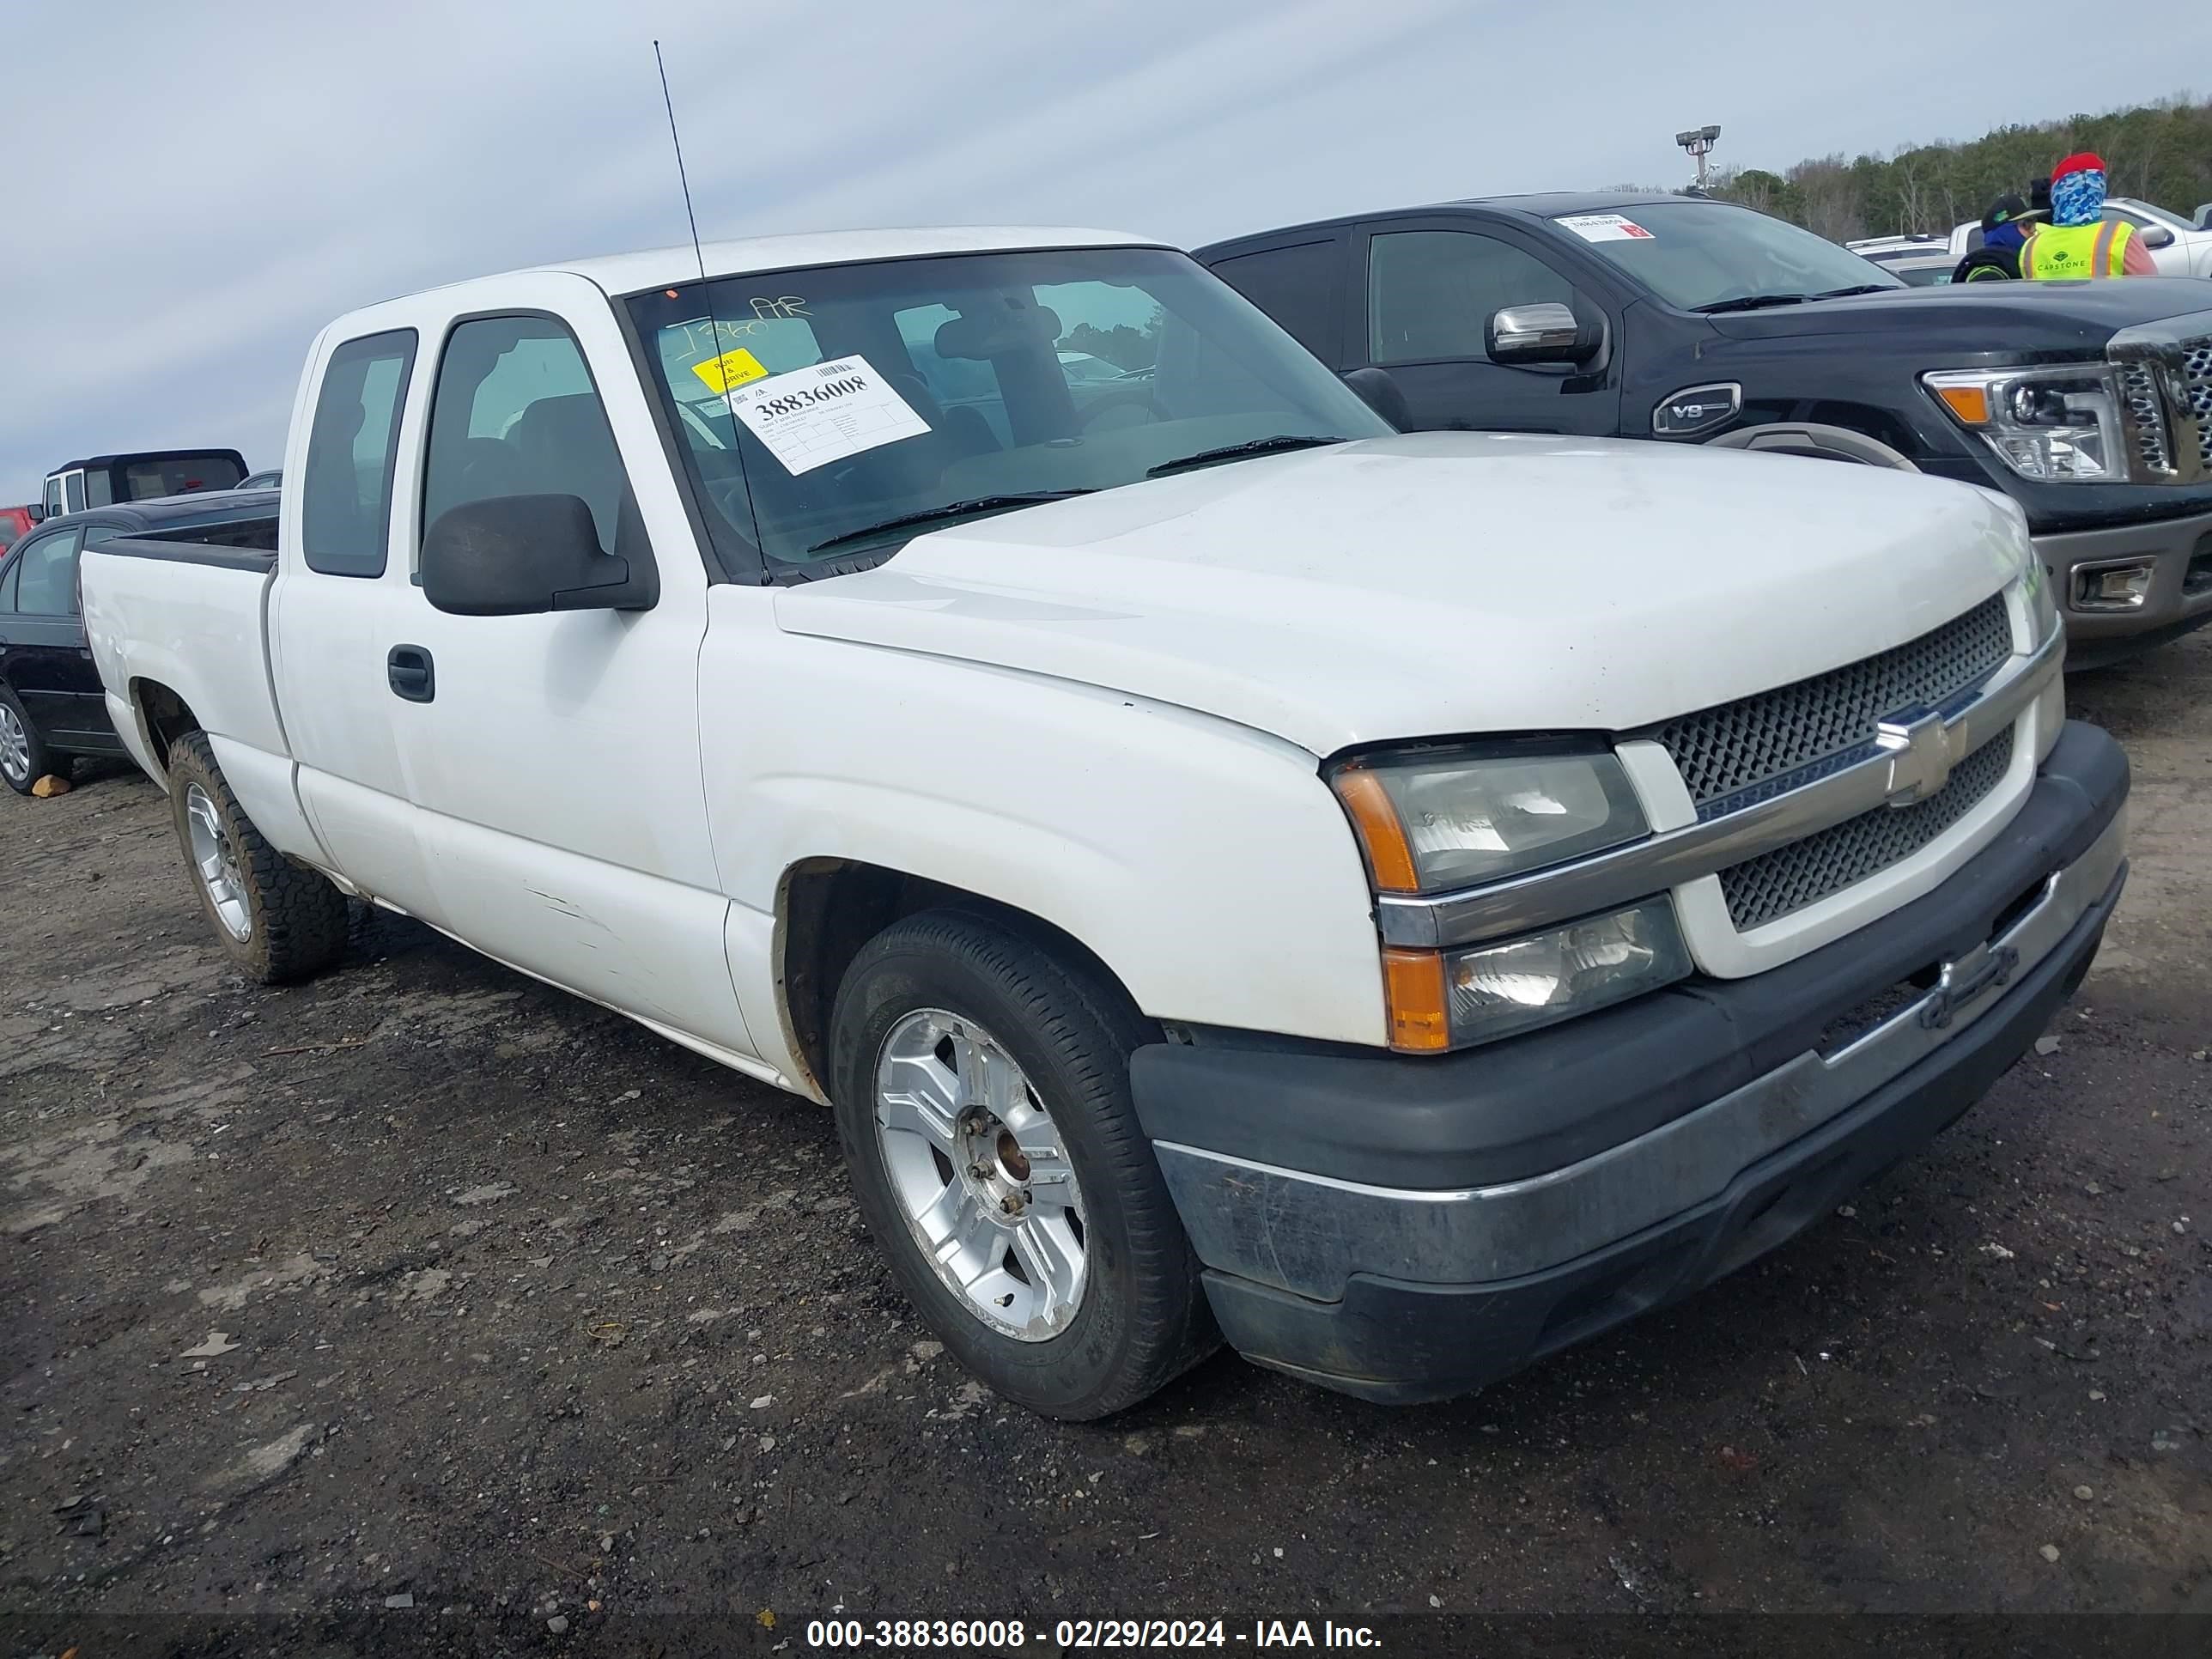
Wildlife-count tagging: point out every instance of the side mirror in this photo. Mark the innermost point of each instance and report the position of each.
(2158, 236)
(1550, 332)
(524, 555)
(1382, 394)
(37, 515)
(2205, 216)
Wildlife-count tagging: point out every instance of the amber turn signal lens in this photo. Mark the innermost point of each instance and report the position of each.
(1414, 988)
(1389, 858)
(1971, 404)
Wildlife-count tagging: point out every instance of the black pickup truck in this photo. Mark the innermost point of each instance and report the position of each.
(1696, 321)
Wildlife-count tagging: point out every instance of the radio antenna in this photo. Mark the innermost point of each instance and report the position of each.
(682, 177)
(713, 327)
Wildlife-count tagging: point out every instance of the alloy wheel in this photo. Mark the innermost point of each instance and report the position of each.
(215, 862)
(981, 1173)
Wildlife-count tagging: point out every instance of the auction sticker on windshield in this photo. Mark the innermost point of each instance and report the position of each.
(1606, 227)
(811, 417)
(731, 368)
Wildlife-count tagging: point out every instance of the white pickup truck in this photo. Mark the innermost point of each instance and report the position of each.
(2177, 248)
(1399, 903)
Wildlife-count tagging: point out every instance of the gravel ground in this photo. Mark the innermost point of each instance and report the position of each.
(424, 1298)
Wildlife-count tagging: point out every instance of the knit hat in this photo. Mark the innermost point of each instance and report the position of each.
(2077, 190)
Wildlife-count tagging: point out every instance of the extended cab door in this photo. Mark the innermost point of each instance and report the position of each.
(1427, 287)
(554, 760)
(337, 604)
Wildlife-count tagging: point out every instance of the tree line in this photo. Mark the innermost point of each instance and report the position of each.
(2159, 153)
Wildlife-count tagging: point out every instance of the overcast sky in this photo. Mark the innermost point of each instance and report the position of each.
(191, 191)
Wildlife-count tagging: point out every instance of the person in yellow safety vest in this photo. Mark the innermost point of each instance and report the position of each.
(2080, 241)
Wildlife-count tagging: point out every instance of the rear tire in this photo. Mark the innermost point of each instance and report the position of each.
(24, 757)
(276, 921)
(1084, 1333)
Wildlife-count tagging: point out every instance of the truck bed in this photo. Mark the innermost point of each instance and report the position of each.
(247, 545)
(186, 611)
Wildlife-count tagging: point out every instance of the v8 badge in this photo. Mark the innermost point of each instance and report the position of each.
(1696, 410)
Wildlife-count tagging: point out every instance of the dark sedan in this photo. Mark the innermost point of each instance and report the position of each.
(50, 705)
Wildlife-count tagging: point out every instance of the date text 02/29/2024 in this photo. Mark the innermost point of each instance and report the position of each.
(1082, 1635)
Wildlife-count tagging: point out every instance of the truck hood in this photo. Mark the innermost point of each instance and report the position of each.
(2021, 317)
(1443, 583)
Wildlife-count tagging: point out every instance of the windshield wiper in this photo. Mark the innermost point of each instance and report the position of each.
(968, 508)
(1751, 302)
(1845, 292)
(1232, 452)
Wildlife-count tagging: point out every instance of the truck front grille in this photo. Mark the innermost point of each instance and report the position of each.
(1726, 754)
(1774, 884)
(2166, 396)
(2196, 388)
(2146, 416)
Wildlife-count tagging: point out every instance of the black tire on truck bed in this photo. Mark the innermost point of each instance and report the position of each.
(295, 920)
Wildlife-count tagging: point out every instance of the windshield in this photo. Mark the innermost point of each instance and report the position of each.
(820, 404)
(1694, 254)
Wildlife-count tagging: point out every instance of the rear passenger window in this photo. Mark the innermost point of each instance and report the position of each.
(1296, 286)
(515, 413)
(352, 449)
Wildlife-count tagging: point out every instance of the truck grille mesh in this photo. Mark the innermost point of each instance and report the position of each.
(1725, 751)
(2146, 414)
(1773, 884)
(2197, 385)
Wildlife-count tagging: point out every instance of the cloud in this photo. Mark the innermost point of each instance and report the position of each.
(197, 192)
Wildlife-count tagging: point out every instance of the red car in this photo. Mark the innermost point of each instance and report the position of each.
(15, 522)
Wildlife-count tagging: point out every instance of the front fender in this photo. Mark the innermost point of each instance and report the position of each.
(1207, 865)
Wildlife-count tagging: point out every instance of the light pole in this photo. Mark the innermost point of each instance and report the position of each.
(1698, 142)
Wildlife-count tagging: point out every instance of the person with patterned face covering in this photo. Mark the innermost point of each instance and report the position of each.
(2080, 242)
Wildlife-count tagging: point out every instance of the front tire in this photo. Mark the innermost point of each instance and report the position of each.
(24, 757)
(276, 921)
(981, 1089)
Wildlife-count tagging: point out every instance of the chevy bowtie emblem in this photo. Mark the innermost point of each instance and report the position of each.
(1920, 757)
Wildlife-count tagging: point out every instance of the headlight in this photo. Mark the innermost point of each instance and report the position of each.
(1441, 819)
(2059, 425)
(1449, 999)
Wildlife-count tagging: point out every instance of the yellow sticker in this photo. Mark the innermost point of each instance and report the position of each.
(731, 368)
